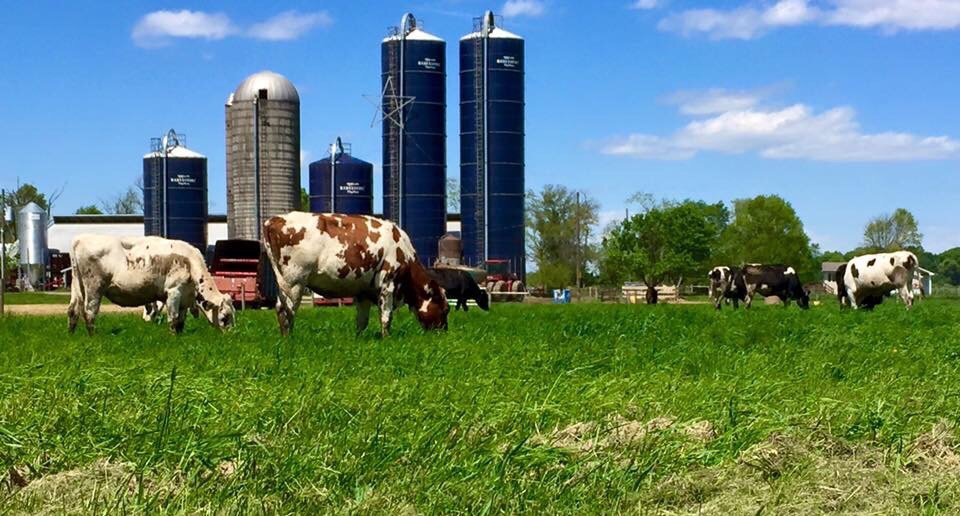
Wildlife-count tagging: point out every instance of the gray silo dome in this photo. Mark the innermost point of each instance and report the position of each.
(278, 88)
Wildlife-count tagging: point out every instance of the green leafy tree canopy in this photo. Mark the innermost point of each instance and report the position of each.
(766, 229)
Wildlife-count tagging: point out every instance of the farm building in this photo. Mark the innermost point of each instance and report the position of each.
(922, 282)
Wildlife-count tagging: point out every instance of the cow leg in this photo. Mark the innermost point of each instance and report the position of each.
(363, 314)
(463, 301)
(906, 294)
(852, 297)
(386, 307)
(287, 303)
(91, 309)
(175, 312)
(736, 303)
(76, 303)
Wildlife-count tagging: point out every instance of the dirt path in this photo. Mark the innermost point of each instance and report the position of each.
(62, 309)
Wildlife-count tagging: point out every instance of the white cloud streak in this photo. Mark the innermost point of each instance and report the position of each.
(755, 19)
(161, 28)
(289, 25)
(515, 8)
(736, 123)
(642, 5)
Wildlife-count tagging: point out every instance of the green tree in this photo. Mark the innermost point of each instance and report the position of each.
(892, 232)
(830, 256)
(18, 198)
(128, 202)
(304, 200)
(453, 195)
(89, 210)
(665, 243)
(554, 243)
(766, 229)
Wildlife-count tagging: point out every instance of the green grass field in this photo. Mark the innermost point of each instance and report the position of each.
(549, 409)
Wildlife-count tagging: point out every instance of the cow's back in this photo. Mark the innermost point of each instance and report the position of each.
(335, 254)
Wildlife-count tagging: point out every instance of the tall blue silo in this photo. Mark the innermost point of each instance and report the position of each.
(413, 81)
(175, 191)
(352, 181)
(492, 145)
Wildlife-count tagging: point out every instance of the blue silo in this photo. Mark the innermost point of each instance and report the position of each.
(413, 82)
(175, 191)
(492, 145)
(352, 179)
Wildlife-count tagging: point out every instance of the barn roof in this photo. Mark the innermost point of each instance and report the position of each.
(830, 266)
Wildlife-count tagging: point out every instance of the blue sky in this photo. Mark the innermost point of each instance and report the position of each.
(847, 108)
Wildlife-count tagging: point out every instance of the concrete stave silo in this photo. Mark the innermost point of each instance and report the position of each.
(263, 153)
(175, 191)
(352, 181)
(413, 80)
(492, 145)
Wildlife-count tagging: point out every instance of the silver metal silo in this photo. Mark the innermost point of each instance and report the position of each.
(263, 152)
(32, 237)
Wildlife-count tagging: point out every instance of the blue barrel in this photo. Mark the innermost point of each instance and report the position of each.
(492, 146)
(180, 213)
(413, 66)
(352, 181)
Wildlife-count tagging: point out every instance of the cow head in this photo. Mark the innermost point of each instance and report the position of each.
(219, 312)
(483, 300)
(424, 296)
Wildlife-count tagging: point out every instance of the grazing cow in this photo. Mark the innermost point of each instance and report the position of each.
(726, 284)
(867, 302)
(868, 278)
(139, 271)
(460, 285)
(773, 280)
(368, 259)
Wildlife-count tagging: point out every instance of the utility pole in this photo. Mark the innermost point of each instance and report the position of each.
(577, 215)
(3, 247)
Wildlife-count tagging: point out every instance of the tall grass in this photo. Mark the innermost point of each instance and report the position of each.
(467, 420)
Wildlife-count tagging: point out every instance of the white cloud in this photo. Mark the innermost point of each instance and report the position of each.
(514, 8)
(736, 123)
(289, 25)
(754, 19)
(897, 14)
(713, 101)
(643, 4)
(744, 22)
(159, 27)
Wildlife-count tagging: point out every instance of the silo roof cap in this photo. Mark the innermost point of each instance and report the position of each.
(415, 35)
(497, 32)
(31, 207)
(176, 152)
(278, 88)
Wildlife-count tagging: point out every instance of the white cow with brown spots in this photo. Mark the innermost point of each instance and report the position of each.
(368, 259)
(869, 278)
(139, 271)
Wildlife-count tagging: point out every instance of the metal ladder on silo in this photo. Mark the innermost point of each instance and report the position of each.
(393, 138)
(481, 136)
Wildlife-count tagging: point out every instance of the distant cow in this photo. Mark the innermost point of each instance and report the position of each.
(368, 259)
(868, 278)
(773, 280)
(460, 285)
(139, 271)
(726, 283)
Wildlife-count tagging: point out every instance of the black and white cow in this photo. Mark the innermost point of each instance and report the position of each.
(726, 284)
(460, 285)
(867, 279)
(866, 302)
(773, 280)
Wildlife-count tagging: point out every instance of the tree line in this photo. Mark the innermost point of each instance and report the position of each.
(678, 241)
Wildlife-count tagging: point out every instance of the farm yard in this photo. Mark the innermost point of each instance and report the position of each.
(576, 408)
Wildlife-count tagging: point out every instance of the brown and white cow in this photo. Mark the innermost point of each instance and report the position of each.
(358, 256)
(869, 278)
(139, 271)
